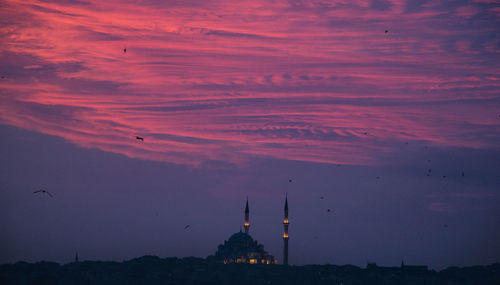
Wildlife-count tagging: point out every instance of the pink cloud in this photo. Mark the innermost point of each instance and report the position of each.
(231, 81)
(467, 11)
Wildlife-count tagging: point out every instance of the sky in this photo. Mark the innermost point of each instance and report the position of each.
(389, 110)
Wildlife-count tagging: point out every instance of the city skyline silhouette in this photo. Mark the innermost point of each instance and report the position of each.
(139, 128)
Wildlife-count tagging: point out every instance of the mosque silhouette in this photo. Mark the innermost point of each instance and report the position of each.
(242, 248)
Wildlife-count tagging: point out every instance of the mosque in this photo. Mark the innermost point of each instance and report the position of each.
(242, 248)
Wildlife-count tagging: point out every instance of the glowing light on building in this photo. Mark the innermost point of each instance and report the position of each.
(285, 233)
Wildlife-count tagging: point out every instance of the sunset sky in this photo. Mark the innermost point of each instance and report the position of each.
(399, 131)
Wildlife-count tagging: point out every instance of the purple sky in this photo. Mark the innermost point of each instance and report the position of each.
(233, 100)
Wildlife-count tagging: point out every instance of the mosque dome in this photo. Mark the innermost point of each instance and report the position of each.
(242, 248)
(240, 237)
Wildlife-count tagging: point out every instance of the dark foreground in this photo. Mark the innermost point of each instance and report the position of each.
(154, 270)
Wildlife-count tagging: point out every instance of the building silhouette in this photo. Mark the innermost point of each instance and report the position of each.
(247, 218)
(242, 248)
(285, 233)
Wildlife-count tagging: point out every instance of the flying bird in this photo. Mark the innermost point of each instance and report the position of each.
(365, 133)
(445, 225)
(43, 191)
(378, 177)
(289, 180)
(406, 142)
(139, 138)
(328, 210)
(463, 174)
(187, 226)
(125, 50)
(444, 176)
(386, 31)
(322, 197)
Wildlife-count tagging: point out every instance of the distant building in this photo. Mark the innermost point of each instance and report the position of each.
(242, 248)
(403, 268)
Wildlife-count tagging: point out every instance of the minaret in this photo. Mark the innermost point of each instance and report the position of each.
(285, 233)
(76, 257)
(247, 218)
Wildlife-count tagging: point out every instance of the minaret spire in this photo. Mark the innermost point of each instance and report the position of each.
(247, 218)
(285, 233)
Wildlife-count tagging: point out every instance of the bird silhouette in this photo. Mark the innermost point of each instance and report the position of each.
(365, 133)
(139, 138)
(124, 50)
(289, 180)
(406, 142)
(187, 226)
(444, 176)
(445, 225)
(463, 174)
(43, 191)
(378, 177)
(328, 210)
(386, 31)
(322, 197)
